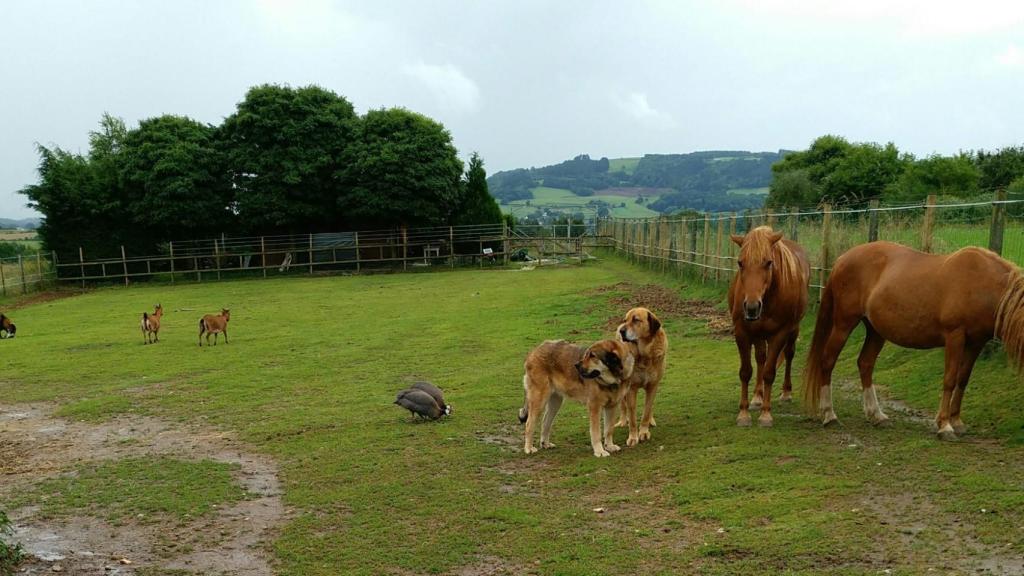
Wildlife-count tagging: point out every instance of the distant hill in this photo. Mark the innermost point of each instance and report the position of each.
(713, 181)
(25, 223)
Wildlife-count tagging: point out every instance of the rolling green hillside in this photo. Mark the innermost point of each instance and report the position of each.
(564, 201)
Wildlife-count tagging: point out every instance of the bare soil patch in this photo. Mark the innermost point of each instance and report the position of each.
(667, 304)
(41, 298)
(37, 445)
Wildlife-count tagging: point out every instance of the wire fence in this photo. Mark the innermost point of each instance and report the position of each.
(702, 244)
(26, 273)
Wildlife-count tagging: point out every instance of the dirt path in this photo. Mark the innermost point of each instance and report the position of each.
(34, 445)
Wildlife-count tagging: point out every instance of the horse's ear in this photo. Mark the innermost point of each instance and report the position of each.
(738, 239)
(774, 238)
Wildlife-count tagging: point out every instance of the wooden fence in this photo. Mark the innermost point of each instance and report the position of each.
(702, 244)
(26, 273)
(402, 249)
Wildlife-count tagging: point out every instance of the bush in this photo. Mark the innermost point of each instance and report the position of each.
(10, 554)
(12, 249)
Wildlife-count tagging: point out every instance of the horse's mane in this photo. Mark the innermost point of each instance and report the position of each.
(757, 247)
(1010, 319)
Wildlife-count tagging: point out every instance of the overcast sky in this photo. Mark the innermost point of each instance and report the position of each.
(528, 83)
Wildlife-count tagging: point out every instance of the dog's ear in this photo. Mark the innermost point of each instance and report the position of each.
(613, 362)
(653, 322)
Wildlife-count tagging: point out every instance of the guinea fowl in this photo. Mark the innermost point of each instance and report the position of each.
(436, 393)
(419, 403)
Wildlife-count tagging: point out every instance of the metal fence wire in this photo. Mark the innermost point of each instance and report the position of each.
(702, 244)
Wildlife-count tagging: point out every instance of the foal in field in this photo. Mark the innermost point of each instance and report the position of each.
(214, 324)
(958, 301)
(151, 325)
(767, 300)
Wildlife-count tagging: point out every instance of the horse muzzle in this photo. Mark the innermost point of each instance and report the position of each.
(752, 310)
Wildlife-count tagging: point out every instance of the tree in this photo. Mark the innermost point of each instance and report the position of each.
(792, 188)
(478, 206)
(403, 170)
(940, 175)
(998, 169)
(864, 173)
(174, 180)
(284, 149)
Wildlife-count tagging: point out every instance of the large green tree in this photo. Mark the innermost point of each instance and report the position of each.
(836, 171)
(1000, 168)
(401, 169)
(283, 149)
(940, 175)
(174, 179)
(478, 206)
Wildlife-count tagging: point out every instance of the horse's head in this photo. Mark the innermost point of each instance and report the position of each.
(757, 268)
(225, 313)
(7, 326)
(158, 310)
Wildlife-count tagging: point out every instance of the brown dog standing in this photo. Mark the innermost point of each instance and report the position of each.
(594, 376)
(642, 329)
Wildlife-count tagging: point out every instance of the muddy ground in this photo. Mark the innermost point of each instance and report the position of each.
(234, 539)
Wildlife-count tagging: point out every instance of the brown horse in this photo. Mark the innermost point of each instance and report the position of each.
(214, 324)
(151, 325)
(915, 300)
(767, 300)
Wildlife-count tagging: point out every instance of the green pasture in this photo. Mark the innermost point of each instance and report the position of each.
(565, 200)
(313, 366)
(627, 165)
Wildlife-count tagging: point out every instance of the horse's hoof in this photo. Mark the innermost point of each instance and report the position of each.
(880, 420)
(743, 419)
(756, 402)
(764, 420)
(786, 396)
(829, 420)
(947, 434)
(959, 427)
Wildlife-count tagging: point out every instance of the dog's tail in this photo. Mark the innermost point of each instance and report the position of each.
(523, 412)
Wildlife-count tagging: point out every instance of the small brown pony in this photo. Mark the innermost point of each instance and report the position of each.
(214, 324)
(151, 325)
(767, 300)
(7, 328)
(916, 300)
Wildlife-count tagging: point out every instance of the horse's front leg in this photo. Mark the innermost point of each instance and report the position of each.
(954, 359)
(787, 384)
(761, 355)
(743, 345)
(775, 345)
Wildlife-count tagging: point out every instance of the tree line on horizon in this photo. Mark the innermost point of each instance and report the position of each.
(287, 161)
(844, 173)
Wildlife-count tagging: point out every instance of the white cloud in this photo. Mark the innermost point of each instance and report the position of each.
(1012, 57)
(450, 87)
(635, 104)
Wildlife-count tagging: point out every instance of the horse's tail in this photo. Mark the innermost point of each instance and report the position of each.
(202, 325)
(145, 321)
(1010, 320)
(814, 375)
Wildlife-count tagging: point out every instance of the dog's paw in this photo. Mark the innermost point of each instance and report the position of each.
(612, 447)
(529, 449)
(547, 445)
(601, 452)
(645, 434)
(632, 441)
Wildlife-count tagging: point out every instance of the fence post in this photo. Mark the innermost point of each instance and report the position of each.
(732, 245)
(995, 234)
(171, 246)
(216, 257)
(504, 240)
(794, 223)
(770, 217)
(3, 281)
(21, 264)
(928, 225)
(718, 249)
(81, 260)
(707, 233)
(873, 221)
(124, 265)
(311, 253)
(405, 248)
(826, 233)
(39, 269)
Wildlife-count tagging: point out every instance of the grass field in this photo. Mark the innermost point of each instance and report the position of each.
(313, 366)
(748, 191)
(565, 200)
(627, 165)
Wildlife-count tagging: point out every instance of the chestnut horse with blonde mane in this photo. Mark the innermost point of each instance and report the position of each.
(915, 300)
(767, 300)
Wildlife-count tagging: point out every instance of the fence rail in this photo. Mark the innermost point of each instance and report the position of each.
(26, 273)
(363, 251)
(703, 244)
